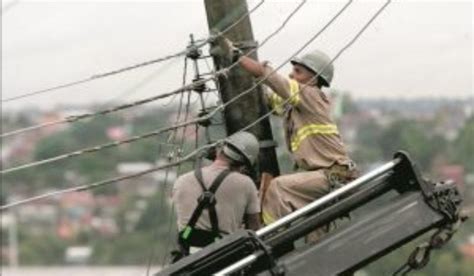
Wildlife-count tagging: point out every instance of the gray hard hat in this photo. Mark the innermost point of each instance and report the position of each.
(319, 63)
(242, 147)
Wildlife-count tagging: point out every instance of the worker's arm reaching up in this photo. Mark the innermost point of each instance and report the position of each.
(255, 68)
(281, 85)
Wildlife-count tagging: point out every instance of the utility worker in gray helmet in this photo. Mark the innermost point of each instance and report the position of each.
(218, 199)
(311, 135)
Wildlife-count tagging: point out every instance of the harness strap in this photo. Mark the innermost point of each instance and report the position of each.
(198, 174)
(206, 201)
(212, 207)
(201, 203)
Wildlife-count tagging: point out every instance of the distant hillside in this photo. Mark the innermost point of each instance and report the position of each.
(421, 105)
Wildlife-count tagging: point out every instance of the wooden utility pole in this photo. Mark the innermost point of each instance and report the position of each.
(220, 15)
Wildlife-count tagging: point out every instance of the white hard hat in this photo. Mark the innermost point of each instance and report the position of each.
(319, 63)
(242, 147)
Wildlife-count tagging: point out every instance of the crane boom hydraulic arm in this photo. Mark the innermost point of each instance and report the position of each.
(412, 207)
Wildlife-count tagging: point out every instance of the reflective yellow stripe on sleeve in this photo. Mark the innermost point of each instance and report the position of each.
(312, 129)
(276, 103)
(275, 100)
(294, 92)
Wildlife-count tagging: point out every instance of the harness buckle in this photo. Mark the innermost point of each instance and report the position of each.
(208, 198)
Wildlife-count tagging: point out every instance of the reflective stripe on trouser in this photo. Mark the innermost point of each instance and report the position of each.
(288, 193)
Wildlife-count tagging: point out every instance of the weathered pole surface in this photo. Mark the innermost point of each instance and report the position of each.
(220, 15)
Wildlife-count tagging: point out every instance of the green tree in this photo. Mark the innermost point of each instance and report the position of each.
(41, 250)
(152, 237)
(367, 149)
(413, 137)
(464, 146)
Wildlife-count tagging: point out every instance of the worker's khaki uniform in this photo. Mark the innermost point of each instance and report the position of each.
(315, 144)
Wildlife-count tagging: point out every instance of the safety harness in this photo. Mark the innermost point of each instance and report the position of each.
(191, 236)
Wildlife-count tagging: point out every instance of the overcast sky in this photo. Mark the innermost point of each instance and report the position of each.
(414, 49)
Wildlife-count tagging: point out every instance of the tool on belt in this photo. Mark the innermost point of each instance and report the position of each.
(338, 175)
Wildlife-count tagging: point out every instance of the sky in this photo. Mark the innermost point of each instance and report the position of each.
(413, 49)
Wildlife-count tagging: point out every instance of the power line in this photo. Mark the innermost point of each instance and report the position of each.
(247, 14)
(137, 86)
(163, 259)
(98, 147)
(189, 156)
(183, 83)
(291, 57)
(195, 121)
(132, 67)
(75, 118)
(72, 119)
(92, 78)
(349, 44)
(171, 137)
(135, 138)
(270, 36)
(104, 182)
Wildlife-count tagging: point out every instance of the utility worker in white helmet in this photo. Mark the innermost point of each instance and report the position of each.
(217, 199)
(311, 135)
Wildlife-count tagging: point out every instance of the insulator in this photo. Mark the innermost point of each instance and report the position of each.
(193, 52)
(204, 122)
(199, 88)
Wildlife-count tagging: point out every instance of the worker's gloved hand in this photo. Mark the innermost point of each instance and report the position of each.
(225, 48)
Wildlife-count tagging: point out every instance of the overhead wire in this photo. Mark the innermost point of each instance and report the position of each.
(183, 137)
(177, 125)
(157, 132)
(137, 86)
(97, 184)
(261, 80)
(176, 154)
(184, 83)
(75, 118)
(132, 67)
(195, 152)
(349, 44)
(72, 119)
(216, 83)
(168, 241)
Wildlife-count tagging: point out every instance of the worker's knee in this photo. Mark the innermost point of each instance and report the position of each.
(273, 190)
(282, 183)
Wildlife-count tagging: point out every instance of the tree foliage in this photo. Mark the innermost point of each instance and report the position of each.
(464, 146)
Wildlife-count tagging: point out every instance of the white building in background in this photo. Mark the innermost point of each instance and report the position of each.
(78, 255)
(148, 184)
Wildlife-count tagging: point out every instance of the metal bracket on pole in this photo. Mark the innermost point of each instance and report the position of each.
(246, 45)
